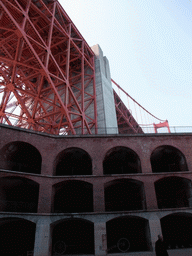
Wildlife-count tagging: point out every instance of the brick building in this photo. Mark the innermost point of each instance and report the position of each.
(95, 194)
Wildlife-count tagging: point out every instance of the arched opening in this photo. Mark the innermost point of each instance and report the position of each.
(177, 230)
(18, 195)
(73, 236)
(17, 236)
(168, 159)
(73, 161)
(21, 157)
(73, 196)
(173, 192)
(120, 160)
(128, 234)
(124, 195)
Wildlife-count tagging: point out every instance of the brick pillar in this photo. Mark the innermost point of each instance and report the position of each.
(43, 238)
(45, 196)
(98, 196)
(151, 199)
(97, 166)
(146, 163)
(100, 238)
(47, 164)
(155, 228)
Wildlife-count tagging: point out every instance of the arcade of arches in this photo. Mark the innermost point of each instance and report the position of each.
(94, 195)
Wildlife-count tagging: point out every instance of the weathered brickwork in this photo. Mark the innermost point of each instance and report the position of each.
(56, 193)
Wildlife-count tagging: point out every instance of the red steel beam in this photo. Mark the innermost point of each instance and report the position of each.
(48, 69)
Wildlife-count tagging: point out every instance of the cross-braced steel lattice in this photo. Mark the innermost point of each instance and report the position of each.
(47, 75)
(126, 122)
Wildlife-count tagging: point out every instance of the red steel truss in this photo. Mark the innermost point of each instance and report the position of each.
(126, 122)
(47, 74)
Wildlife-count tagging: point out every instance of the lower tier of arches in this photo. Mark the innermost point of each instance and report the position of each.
(95, 234)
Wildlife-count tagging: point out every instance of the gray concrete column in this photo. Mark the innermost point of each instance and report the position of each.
(45, 197)
(98, 196)
(43, 237)
(151, 199)
(100, 238)
(155, 228)
(106, 113)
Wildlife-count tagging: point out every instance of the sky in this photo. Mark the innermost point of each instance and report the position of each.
(149, 48)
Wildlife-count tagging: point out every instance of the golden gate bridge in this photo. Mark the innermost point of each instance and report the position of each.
(47, 75)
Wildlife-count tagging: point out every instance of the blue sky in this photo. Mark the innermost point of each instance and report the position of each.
(149, 47)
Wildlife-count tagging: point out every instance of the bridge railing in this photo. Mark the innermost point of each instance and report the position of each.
(143, 130)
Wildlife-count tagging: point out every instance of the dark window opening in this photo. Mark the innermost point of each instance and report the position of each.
(73, 196)
(121, 160)
(21, 157)
(124, 195)
(16, 237)
(173, 192)
(128, 234)
(177, 230)
(73, 161)
(73, 237)
(18, 195)
(168, 159)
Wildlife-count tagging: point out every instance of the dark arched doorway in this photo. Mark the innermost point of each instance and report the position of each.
(173, 192)
(73, 236)
(18, 195)
(121, 160)
(168, 159)
(20, 156)
(128, 234)
(73, 161)
(17, 236)
(124, 195)
(73, 196)
(177, 230)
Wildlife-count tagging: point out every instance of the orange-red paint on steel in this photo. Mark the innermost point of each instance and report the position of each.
(47, 73)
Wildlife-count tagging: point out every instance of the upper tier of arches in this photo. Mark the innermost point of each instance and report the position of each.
(23, 157)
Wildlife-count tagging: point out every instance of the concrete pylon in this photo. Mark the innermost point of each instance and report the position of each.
(106, 113)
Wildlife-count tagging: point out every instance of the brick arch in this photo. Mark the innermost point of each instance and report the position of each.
(166, 158)
(20, 156)
(177, 230)
(173, 192)
(18, 194)
(121, 160)
(17, 236)
(128, 234)
(124, 195)
(73, 161)
(73, 196)
(73, 236)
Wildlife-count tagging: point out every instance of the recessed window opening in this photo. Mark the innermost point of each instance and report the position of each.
(73, 196)
(128, 234)
(124, 195)
(173, 192)
(168, 159)
(18, 195)
(21, 157)
(121, 160)
(73, 236)
(73, 161)
(177, 230)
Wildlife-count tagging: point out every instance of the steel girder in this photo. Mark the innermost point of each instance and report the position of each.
(126, 122)
(47, 74)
